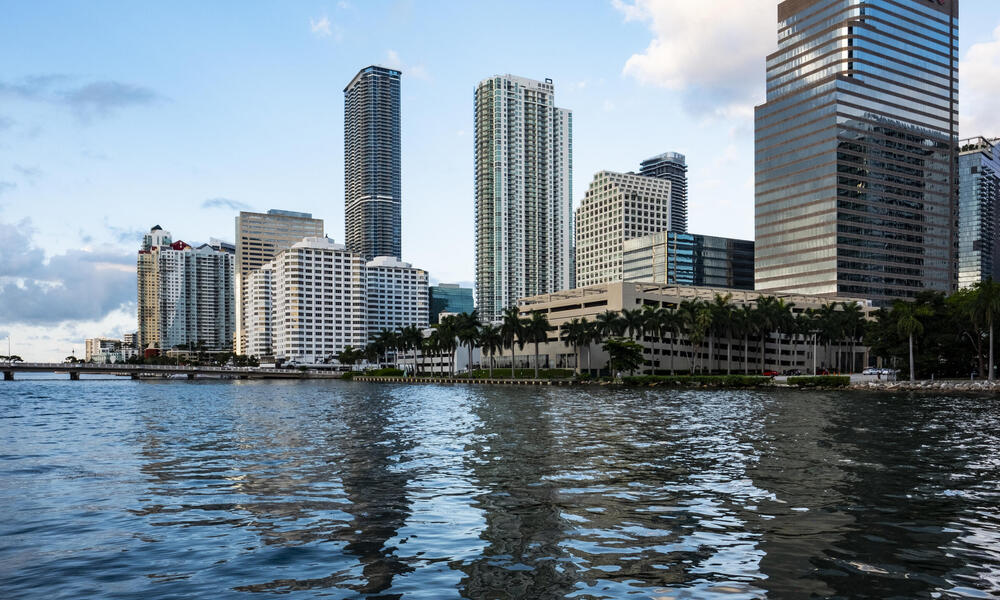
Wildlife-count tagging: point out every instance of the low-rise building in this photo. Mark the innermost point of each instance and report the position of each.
(108, 350)
(782, 353)
(677, 258)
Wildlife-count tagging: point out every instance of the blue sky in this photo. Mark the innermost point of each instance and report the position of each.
(115, 116)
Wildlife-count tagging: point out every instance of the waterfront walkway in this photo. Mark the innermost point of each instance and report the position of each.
(160, 371)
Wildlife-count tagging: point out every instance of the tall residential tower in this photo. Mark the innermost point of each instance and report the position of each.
(856, 159)
(372, 187)
(524, 190)
(978, 211)
(673, 167)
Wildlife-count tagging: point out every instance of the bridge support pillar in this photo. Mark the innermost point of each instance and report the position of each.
(190, 375)
(8, 375)
(74, 376)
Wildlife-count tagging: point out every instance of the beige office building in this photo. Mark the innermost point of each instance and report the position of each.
(792, 352)
(259, 238)
(617, 207)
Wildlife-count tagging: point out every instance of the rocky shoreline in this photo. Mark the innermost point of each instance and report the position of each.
(982, 386)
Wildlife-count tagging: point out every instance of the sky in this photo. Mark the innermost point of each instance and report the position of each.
(117, 116)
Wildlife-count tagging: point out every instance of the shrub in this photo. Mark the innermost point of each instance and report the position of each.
(386, 372)
(348, 376)
(721, 381)
(821, 381)
(522, 374)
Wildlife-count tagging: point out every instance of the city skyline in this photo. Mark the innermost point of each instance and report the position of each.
(68, 132)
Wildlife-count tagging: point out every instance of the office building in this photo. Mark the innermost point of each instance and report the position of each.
(978, 211)
(397, 295)
(185, 295)
(524, 191)
(671, 166)
(616, 208)
(259, 237)
(675, 258)
(318, 301)
(856, 150)
(108, 350)
(372, 186)
(450, 298)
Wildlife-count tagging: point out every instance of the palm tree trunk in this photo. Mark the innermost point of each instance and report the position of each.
(911, 358)
(763, 351)
(588, 360)
(711, 352)
(490, 363)
(512, 358)
(746, 354)
(991, 350)
(778, 340)
(536, 360)
(729, 352)
(672, 352)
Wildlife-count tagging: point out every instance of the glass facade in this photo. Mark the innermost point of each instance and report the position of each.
(855, 156)
(671, 166)
(677, 258)
(978, 211)
(372, 187)
(449, 298)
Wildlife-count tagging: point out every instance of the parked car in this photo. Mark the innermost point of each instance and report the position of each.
(823, 372)
(770, 373)
(793, 372)
(871, 371)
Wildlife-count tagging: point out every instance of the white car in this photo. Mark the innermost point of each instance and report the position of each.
(870, 371)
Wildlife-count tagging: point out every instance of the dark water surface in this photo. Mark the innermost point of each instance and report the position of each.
(122, 489)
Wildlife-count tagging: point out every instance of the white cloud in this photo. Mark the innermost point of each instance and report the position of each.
(320, 27)
(393, 61)
(979, 79)
(711, 52)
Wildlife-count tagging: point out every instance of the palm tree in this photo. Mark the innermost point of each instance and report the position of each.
(852, 321)
(610, 323)
(653, 324)
(829, 327)
(908, 323)
(491, 341)
(431, 346)
(512, 330)
(697, 318)
(783, 321)
(744, 326)
(671, 321)
(536, 331)
(571, 334)
(986, 308)
(468, 325)
(722, 324)
(765, 315)
(448, 329)
(411, 338)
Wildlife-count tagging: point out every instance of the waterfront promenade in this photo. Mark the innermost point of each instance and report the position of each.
(153, 371)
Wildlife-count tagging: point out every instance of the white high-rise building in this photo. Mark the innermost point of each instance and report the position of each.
(185, 295)
(617, 207)
(398, 295)
(258, 314)
(318, 302)
(524, 191)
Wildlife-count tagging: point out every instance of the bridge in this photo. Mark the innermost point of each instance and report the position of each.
(153, 371)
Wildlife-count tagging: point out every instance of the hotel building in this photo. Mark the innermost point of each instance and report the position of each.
(397, 295)
(616, 208)
(259, 237)
(856, 179)
(523, 192)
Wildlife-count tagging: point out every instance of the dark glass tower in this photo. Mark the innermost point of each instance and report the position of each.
(978, 211)
(672, 167)
(371, 163)
(856, 150)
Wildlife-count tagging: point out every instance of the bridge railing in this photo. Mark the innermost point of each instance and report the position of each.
(120, 368)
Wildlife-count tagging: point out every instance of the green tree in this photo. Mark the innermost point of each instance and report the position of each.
(491, 341)
(536, 330)
(985, 310)
(610, 323)
(722, 309)
(349, 355)
(624, 354)
(572, 333)
(512, 329)
(411, 338)
(908, 322)
(468, 326)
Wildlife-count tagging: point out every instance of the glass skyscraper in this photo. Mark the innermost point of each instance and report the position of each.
(856, 150)
(372, 186)
(677, 258)
(524, 191)
(978, 211)
(449, 298)
(672, 167)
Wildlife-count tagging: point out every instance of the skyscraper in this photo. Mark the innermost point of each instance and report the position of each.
(259, 238)
(524, 191)
(978, 211)
(372, 187)
(616, 208)
(185, 294)
(856, 166)
(672, 167)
